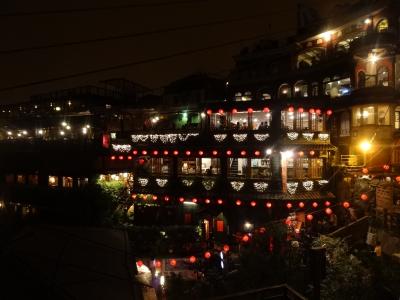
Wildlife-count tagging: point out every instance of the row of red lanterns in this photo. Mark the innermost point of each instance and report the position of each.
(386, 167)
(267, 110)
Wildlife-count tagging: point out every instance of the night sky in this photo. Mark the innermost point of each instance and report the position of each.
(38, 30)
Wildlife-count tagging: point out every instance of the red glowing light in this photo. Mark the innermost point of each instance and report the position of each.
(176, 152)
(257, 153)
(112, 157)
(201, 153)
(318, 111)
(155, 152)
(250, 110)
(134, 152)
(133, 196)
(301, 109)
(243, 153)
(194, 200)
(155, 197)
(291, 109)
(365, 170)
(144, 152)
(253, 203)
(215, 152)
(386, 167)
(158, 264)
(219, 201)
(301, 153)
(192, 259)
(120, 157)
(129, 157)
(165, 152)
(226, 248)
(328, 211)
(310, 217)
(208, 201)
(329, 112)
(139, 263)
(312, 152)
(181, 199)
(166, 198)
(245, 238)
(188, 152)
(209, 112)
(289, 205)
(221, 111)
(364, 197)
(207, 255)
(172, 262)
(346, 204)
(238, 202)
(398, 178)
(266, 110)
(315, 204)
(312, 111)
(234, 110)
(228, 152)
(301, 204)
(268, 204)
(327, 203)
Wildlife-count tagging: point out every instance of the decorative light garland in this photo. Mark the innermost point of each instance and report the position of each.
(292, 187)
(261, 137)
(260, 186)
(323, 136)
(121, 148)
(322, 181)
(240, 137)
(184, 137)
(208, 184)
(308, 136)
(172, 137)
(308, 185)
(187, 182)
(143, 181)
(237, 185)
(161, 182)
(153, 138)
(220, 137)
(292, 135)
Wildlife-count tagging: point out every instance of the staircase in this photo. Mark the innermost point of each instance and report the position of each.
(233, 167)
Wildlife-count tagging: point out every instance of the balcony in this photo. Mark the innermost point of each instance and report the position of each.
(363, 45)
(306, 137)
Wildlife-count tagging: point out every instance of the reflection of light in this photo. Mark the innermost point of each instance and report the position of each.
(189, 203)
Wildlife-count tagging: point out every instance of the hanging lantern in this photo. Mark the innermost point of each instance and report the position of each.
(165, 152)
(155, 197)
(112, 157)
(364, 197)
(301, 153)
(209, 112)
(221, 111)
(312, 152)
(346, 204)
(386, 167)
(312, 111)
(144, 152)
(315, 204)
(301, 109)
(226, 248)
(238, 202)
(207, 201)
(365, 170)
(166, 198)
(155, 152)
(268, 204)
(129, 157)
(228, 152)
(398, 178)
(120, 157)
(329, 112)
(157, 264)
(188, 152)
(257, 153)
(194, 200)
(172, 262)
(215, 152)
(234, 110)
(291, 109)
(301, 204)
(141, 161)
(139, 263)
(245, 238)
(328, 211)
(181, 199)
(289, 205)
(250, 110)
(176, 152)
(266, 109)
(201, 152)
(327, 203)
(318, 111)
(310, 217)
(242, 153)
(192, 259)
(253, 203)
(219, 201)
(207, 255)
(134, 152)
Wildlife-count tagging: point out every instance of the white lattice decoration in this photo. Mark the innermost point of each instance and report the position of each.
(293, 135)
(308, 185)
(260, 186)
(237, 185)
(172, 137)
(139, 137)
(187, 182)
(135, 138)
(308, 136)
(143, 181)
(292, 187)
(261, 136)
(240, 137)
(322, 181)
(220, 137)
(161, 182)
(323, 136)
(184, 137)
(153, 138)
(121, 148)
(208, 184)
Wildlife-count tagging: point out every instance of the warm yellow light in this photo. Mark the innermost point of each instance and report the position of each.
(365, 146)
(367, 21)
(373, 58)
(327, 36)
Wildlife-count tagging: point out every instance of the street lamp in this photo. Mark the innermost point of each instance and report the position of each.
(365, 146)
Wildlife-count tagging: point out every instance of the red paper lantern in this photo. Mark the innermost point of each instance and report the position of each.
(166, 198)
(386, 167)
(134, 152)
(158, 264)
(207, 201)
(172, 262)
(238, 202)
(329, 112)
(312, 152)
(266, 109)
(226, 248)
(315, 204)
(327, 203)
(253, 203)
(207, 255)
(364, 197)
(144, 152)
(141, 161)
(112, 157)
(215, 152)
(155, 197)
(245, 238)
(201, 153)
(250, 110)
(155, 152)
(176, 152)
(194, 200)
(398, 178)
(301, 204)
(120, 157)
(310, 217)
(219, 201)
(365, 170)
(209, 112)
(188, 152)
(139, 263)
(129, 157)
(268, 204)
(242, 153)
(257, 153)
(328, 211)
(192, 259)
(289, 205)
(318, 111)
(291, 109)
(228, 152)
(346, 204)
(221, 111)
(166, 152)
(312, 110)
(301, 109)
(234, 110)
(181, 199)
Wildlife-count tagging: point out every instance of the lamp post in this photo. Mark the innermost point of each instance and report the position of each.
(365, 146)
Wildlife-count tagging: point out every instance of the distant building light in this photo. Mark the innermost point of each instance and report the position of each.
(62, 132)
(269, 151)
(58, 108)
(88, 126)
(68, 127)
(18, 134)
(84, 130)
(367, 21)
(24, 132)
(64, 124)
(40, 131)
(373, 58)
(9, 133)
(327, 36)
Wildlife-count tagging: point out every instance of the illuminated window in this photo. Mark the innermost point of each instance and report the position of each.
(383, 115)
(265, 96)
(301, 89)
(356, 116)
(237, 167)
(240, 120)
(368, 115)
(220, 226)
(210, 166)
(345, 124)
(53, 181)
(188, 166)
(285, 91)
(83, 181)
(314, 89)
(397, 117)
(160, 165)
(21, 179)
(67, 182)
(383, 76)
(261, 120)
(383, 25)
(261, 168)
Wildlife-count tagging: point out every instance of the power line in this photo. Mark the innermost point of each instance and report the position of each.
(138, 34)
(140, 62)
(96, 9)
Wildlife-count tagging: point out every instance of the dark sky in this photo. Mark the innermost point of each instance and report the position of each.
(28, 31)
